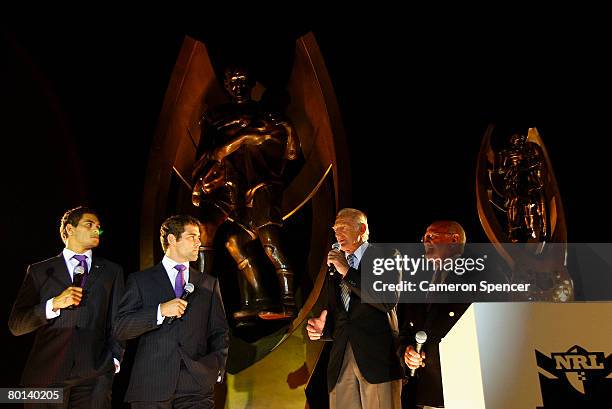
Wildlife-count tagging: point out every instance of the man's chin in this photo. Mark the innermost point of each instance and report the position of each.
(431, 254)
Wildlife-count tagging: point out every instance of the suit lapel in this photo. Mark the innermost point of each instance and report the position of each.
(97, 266)
(194, 276)
(160, 275)
(59, 271)
(353, 300)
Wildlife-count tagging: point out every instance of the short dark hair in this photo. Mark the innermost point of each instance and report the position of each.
(175, 225)
(73, 217)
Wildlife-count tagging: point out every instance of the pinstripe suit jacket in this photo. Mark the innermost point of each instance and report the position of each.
(79, 342)
(200, 338)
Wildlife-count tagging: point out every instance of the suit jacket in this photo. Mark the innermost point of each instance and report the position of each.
(370, 328)
(200, 338)
(78, 343)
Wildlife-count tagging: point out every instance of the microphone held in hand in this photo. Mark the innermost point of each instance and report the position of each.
(331, 269)
(79, 273)
(77, 281)
(187, 291)
(420, 339)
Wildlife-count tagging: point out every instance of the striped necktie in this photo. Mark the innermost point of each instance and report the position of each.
(345, 290)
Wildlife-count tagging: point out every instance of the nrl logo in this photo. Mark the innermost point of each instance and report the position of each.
(574, 377)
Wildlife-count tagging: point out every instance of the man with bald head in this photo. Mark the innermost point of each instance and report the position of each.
(442, 240)
(364, 370)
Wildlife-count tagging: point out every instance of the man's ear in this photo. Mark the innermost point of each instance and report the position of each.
(362, 228)
(69, 230)
(171, 239)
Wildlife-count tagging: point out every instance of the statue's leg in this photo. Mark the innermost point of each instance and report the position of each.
(252, 292)
(266, 218)
(210, 218)
(543, 214)
(269, 236)
(512, 215)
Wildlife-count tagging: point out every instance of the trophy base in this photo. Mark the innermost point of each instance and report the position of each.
(283, 313)
(250, 312)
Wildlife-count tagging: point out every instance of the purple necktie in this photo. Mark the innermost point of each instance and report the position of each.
(179, 283)
(78, 280)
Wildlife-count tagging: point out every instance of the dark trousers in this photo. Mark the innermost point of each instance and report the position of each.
(188, 394)
(93, 393)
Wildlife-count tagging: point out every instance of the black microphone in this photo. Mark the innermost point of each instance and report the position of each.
(331, 269)
(189, 288)
(420, 339)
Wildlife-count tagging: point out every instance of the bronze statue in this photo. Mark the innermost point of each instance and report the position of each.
(238, 177)
(523, 189)
(519, 203)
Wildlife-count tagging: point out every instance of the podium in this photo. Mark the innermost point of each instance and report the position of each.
(529, 355)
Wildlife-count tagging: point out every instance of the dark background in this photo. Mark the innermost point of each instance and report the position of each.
(81, 99)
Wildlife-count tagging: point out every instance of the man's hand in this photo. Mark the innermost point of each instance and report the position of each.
(412, 359)
(173, 308)
(70, 296)
(338, 259)
(315, 326)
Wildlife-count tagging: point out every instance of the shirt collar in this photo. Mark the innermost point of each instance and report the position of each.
(169, 264)
(68, 254)
(359, 252)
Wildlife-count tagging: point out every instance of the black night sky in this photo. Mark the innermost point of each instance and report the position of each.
(81, 100)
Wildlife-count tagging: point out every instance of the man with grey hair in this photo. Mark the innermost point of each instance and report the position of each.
(364, 370)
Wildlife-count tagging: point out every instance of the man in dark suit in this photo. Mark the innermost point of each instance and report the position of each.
(442, 240)
(177, 364)
(70, 301)
(364, 369)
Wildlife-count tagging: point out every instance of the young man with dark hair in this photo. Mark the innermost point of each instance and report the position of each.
(70, 301)
(177, 363)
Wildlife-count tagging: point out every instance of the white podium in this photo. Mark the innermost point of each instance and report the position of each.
(489, 359)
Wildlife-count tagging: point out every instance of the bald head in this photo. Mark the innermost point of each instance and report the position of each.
(443, 239)
(450, 228)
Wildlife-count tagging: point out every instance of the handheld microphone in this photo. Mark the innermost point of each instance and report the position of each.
(188, 290)
(79, 273)
(77, 281)
(331, 269)
(420, 339)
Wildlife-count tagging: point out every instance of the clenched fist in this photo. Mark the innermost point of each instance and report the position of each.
(173, 308)
(70, 296)
(412, 358)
